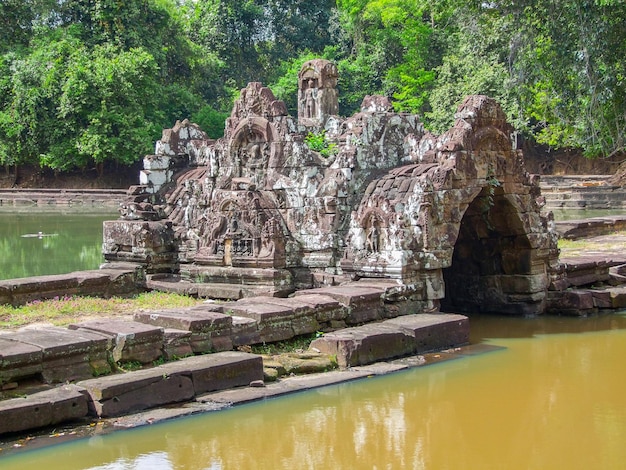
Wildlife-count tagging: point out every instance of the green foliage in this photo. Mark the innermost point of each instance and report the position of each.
(210, 121)
(83, 83)
(320, 143)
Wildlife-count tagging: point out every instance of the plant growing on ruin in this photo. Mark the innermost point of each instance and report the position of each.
(318, 142)
(487, 200)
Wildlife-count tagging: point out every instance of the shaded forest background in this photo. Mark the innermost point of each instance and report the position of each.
(89, 84)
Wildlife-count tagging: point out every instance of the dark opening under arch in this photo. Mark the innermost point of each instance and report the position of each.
(492, 268)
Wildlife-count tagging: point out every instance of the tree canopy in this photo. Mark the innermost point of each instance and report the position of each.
(84, 83)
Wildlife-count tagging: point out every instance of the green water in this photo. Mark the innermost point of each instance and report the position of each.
(71, 240)
(554, 398)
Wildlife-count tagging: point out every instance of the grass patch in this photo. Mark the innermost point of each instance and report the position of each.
(299, 343)
(62, 311)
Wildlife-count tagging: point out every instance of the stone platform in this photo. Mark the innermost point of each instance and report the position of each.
(53, 355)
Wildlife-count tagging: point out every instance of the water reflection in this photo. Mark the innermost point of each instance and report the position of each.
(77, 244)
(546, 401)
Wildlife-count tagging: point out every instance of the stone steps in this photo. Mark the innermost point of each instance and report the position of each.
(585, 192)
(53, 355)
(121, 394)
(51, 196)
(213, 290)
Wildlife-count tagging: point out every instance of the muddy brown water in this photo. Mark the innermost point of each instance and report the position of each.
(553, 397)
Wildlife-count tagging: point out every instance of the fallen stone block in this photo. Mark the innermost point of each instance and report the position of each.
(67, 355)
(131, 341)
(433, 331)
(18, 360)
(245, 331)
(176, 344)
(27, 289)
(301, 363)
(365, 344)
(42, 409)
(601, 298)
(304, 320)
(409, 334)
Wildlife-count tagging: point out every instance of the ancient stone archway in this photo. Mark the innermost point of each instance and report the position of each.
(491, 269)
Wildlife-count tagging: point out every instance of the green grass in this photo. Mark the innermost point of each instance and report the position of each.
(65, 310)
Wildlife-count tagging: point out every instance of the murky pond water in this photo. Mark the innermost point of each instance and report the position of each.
(35, 241)
(554, 397)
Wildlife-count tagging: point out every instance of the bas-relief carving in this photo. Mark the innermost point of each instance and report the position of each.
(389, 203)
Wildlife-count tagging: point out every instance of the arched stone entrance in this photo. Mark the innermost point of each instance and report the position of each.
(492, 262)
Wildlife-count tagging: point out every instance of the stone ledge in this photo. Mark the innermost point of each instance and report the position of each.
(171, 383)
(99, 282)
(42, 409)
(410, 334)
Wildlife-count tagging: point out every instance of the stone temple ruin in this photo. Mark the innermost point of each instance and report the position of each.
(280, 204)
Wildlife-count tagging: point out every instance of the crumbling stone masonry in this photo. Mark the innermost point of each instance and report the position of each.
(280, 204)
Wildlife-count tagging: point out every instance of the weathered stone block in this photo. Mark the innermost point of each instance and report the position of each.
(176, 344)
(433, 331)
(364, 344)
(274, 322)
(191, 319)
(67, 355)
(326, 308)
(618, 297)
(120, 394)
(245, 331)
(219, 371)
(364, 303)
(5, 294)
(210, 330)
(523, 283)
(602, 298)
(131, 341)
(42, 409)
(18, 360)
(156, 162)
(570, 302)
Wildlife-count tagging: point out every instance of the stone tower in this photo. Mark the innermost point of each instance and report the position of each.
(318, 98)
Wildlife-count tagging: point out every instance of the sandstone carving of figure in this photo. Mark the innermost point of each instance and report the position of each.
(190, 211)
(310, 100)
(268, 234)
(373, 237)
(233, 225)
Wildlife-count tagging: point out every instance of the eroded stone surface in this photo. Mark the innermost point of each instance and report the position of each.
(411, 334)
(66, 355)
(132, 341)
(42, 409)
(377, 198)
(171, 383)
